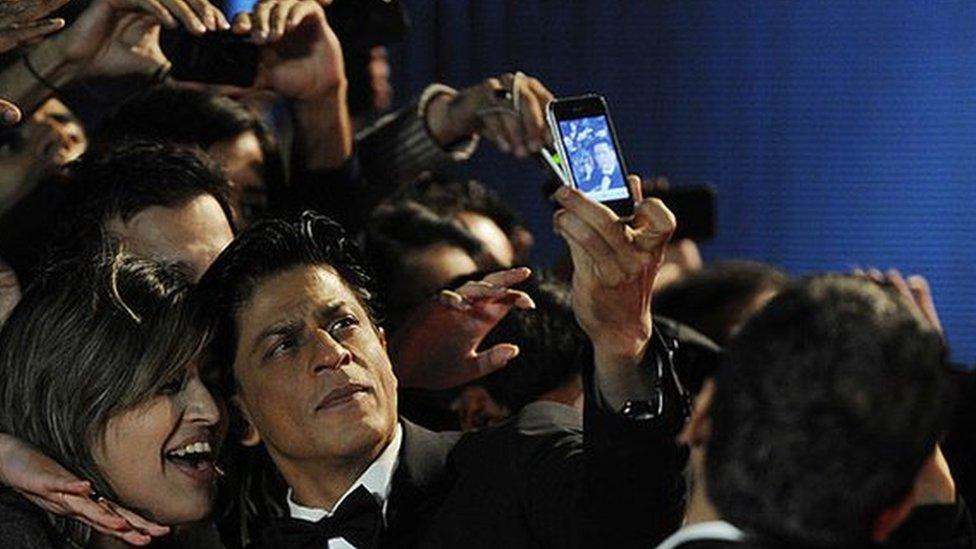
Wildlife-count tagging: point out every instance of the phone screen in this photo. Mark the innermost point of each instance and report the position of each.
(593, 158)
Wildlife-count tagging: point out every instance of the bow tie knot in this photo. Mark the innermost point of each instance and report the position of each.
(358, 520)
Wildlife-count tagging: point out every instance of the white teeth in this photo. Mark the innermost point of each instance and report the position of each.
(195, 448)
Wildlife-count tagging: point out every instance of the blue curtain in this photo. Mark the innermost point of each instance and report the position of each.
(838, 134)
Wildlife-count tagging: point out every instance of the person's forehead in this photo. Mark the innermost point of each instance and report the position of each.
(294, 292)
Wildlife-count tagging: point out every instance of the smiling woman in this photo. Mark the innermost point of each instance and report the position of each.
(98, 368)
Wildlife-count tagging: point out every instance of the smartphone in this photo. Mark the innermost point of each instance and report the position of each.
(587, 144)
(694, 207)
(213, 58)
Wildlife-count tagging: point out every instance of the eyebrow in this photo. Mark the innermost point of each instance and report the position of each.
(290, 326)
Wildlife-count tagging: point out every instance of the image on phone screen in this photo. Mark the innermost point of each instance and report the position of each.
(592, 158)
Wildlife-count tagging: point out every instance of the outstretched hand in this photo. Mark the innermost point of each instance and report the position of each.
(437, 347)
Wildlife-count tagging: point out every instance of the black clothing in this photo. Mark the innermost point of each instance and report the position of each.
(535, 481)
(928, 527)
(25, 525)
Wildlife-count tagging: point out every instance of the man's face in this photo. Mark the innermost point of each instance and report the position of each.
(494, 240)
(314, 379)
(605, 158)
(243, 161)
(192, 234)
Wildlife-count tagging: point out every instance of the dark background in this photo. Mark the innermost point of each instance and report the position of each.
(838, 134)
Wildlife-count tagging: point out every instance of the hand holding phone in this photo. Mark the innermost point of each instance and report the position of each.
(587, 144)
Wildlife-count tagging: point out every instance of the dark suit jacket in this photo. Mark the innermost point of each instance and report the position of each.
(536, 482)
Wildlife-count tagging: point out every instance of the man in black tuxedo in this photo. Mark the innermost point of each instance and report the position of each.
(299, 354)
(821, 427)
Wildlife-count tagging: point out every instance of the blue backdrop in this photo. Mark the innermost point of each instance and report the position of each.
(838, 134)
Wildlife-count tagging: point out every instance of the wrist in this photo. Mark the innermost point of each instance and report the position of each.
(442, 121)
(50, 62)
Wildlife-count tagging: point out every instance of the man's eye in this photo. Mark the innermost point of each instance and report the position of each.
(285, 346)
(343, 326)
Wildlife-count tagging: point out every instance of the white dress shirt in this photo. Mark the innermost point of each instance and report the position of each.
(377, 478)
(717, 530)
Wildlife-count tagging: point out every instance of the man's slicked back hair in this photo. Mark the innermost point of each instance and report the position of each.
(268, 248)
(829, 402)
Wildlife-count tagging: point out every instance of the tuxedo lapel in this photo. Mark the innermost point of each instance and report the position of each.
(420, 482)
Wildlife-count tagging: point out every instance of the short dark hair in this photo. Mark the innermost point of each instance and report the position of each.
(399, 229)
(268, 248)
(120, 181)
(451, 197)
(829, 402)
(552, 346)
(94, 335)
(192, 117)
(713, 300)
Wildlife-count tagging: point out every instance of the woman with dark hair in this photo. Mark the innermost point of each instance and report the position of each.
(99, 370)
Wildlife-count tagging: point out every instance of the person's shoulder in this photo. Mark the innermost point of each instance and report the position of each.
(22, 524)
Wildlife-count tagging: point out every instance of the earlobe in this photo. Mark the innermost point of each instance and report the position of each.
(249, 434)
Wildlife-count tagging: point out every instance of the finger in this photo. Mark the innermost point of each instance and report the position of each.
(493, 127)
(205, 12)
(520, 299)
(512, 125)
(243, 23)
(67, 484)
(138, 522)
(95, 514)
(156, 9)
(544, 96)
(876, 276)
(494, 358)
(922, 293)
(636, 188)
(895, 279)
(533, 120)
(654, 224)
(606, 272)
(9, 113)
(578, 232)
(508, 277)
(186, 16)
(453, 300)
(300, 12)
(599, 217)
(262, 21)
(278, 19)
(480, 290)
(19, 34)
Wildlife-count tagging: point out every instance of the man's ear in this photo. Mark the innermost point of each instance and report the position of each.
(250, 435)
(699, 428)
(382, 335)
(891, 518)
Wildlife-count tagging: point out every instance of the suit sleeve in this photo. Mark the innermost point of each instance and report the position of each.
(633, 487)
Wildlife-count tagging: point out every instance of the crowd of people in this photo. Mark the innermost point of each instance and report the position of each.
(264, 316)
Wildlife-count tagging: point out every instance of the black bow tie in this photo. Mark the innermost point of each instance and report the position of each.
(359, 520)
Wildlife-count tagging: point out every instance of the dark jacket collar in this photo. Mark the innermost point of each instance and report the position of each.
(421, 481)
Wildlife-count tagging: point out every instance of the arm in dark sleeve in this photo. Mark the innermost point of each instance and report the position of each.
(936, 527)
(634, 490)
(399, 148)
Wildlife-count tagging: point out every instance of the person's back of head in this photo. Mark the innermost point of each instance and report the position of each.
(111, 191)
(829, 402)
(553, 349)
(718, 300)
